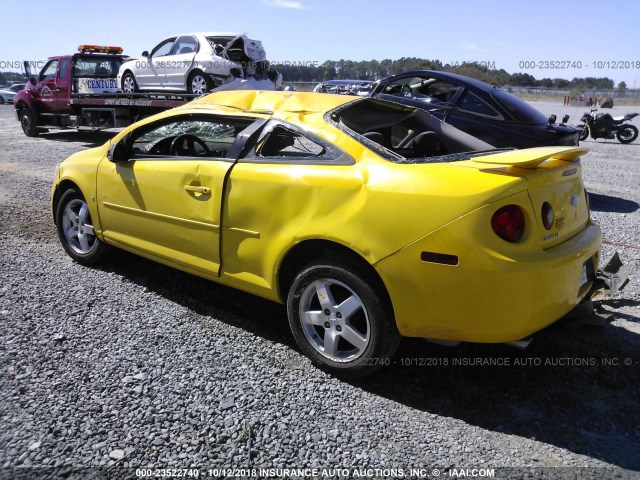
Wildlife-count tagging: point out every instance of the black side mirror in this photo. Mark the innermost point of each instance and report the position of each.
(120, 151)
(27, 68)
(145, 53)
(32, 80)
(552, 119)
(565, 119)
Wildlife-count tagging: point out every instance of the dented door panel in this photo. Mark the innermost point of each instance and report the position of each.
(169, 207)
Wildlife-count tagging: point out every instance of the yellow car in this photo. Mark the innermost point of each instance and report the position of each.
(369, 220)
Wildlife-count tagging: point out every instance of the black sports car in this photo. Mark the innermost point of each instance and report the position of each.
(345, 87)
(482, 110)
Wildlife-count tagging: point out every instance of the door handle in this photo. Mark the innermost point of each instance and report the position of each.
(198, 189)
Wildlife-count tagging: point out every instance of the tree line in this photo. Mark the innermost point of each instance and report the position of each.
(377, 69)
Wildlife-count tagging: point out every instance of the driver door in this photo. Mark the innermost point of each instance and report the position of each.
(164, 201)
(151, 71)
(45, 89)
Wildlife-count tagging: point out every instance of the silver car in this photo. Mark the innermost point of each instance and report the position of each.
(195, 63)
(6, 96)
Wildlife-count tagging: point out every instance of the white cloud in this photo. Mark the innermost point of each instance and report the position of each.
(473, 47)
(283, 4)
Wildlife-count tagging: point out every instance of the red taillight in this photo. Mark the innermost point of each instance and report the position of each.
(508, 223)
(547, 215)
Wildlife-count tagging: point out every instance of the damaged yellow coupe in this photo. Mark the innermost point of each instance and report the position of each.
(370, 220)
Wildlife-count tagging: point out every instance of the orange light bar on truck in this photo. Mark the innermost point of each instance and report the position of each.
(99, 49)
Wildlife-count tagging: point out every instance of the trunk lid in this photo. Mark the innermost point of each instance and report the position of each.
(554, 176)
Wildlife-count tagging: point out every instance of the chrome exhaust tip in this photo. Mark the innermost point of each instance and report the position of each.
(522, 344)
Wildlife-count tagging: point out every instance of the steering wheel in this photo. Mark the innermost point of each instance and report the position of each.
(185, 145)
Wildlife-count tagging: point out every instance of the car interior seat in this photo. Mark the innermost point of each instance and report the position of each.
(376, 137)
(426, 144)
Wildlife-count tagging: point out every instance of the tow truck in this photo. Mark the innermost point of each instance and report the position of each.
(80, 91)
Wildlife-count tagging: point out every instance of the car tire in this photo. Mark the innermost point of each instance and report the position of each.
(584, 133)
(75, 229)
(129, 84)
(352, 331)
(1, 101)
(627, 134)
(28, 122)
(199, 83)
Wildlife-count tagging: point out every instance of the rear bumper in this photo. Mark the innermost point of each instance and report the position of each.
(487, 297)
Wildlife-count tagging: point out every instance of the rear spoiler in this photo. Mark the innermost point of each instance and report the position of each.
(532, 157)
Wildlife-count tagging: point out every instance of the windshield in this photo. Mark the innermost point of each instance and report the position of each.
(520, 110)
(92, 67)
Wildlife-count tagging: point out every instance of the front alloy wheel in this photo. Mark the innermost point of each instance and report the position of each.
(129, 84)
(341, 319)
(75, 229)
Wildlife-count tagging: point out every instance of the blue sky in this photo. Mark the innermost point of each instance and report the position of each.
(500, 33)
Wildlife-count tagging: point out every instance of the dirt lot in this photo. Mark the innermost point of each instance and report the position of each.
(132, 364)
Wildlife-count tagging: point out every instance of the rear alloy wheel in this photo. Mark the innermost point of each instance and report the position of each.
(28, 122)
(199, 83)
(340, 320)
(627, 134)
(129, 84)
(75, 229)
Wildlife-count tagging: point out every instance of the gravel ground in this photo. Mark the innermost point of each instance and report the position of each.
(134, 365)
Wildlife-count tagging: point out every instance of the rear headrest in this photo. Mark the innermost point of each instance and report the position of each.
(426, 144)
(374, 137)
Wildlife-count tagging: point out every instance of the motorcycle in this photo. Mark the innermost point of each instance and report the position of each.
(603, 125)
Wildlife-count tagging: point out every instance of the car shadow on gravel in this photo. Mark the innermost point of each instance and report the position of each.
(203, 297)
(607, 203)
(570, 388)
(575, 388)
(86, 138)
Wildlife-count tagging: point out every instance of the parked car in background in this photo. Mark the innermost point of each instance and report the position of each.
(16, 87)
(368, 220)
(6, 96)
(195, 63)
(482, 110)
(344, 87)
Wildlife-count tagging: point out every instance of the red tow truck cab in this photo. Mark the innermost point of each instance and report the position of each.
(80, 91)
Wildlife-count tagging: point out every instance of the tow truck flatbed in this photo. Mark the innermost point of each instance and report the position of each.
(80, 91)
(154, 100)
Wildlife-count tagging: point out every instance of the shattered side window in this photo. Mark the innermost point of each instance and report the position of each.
(218, 44)
(196, 137)
(283, 142)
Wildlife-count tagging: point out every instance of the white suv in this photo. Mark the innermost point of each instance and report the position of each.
(196, 63)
